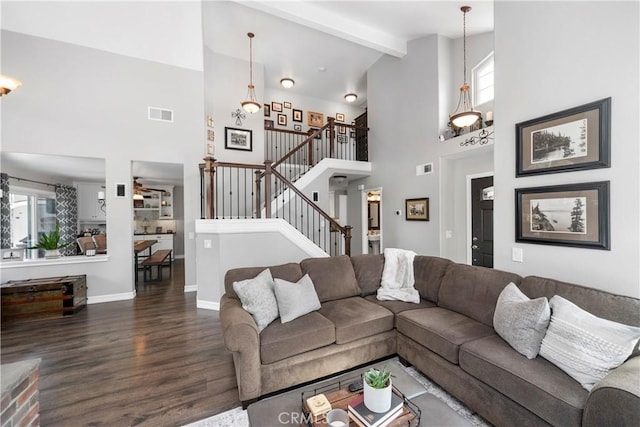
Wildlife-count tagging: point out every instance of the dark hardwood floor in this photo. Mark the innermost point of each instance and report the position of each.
(153, 361)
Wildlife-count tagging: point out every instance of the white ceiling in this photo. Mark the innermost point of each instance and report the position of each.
(54, 169)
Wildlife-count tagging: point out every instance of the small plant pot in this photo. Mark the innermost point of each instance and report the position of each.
(377, 399)
(52, 253)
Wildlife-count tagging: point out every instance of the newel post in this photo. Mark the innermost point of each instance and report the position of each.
(347, 240)
(332, 135)
(258, 207)
(267, 188)
(210, 170)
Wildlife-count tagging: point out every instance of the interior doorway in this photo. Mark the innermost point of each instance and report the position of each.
(481, 195)
(372, 221)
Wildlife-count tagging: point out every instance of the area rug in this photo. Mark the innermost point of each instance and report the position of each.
(238, 418)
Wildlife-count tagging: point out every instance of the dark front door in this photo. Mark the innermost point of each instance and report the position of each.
(482, 221)
(362, 138)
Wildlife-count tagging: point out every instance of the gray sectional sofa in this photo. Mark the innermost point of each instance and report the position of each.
(449, 336)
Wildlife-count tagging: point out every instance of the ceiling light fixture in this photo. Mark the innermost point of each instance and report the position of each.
(350, 97)
(7, 84)
(287, 83)
(339, 179)
(251, 105)
(464, 115)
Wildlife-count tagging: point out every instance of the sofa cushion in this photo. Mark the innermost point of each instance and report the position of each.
(428, 272)
(584, 346)
(473, 291)
(281, 340)
(295, 299)
(258, 298)
(440, 330)
(290, 271)
(368, 271)
(333, 277)
(356, 318)
(520, 321)
(396, 306)
(535, 384)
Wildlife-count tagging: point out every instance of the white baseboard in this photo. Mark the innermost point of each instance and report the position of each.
(111, 298)
(190, 288)
(208, 305)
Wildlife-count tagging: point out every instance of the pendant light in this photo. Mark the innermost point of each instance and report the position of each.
(7, 84)
(464, 115)
(251, 105)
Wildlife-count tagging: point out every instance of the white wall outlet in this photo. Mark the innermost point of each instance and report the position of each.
(517, 254)
(192, 235)
(448, 234)
(207, 244)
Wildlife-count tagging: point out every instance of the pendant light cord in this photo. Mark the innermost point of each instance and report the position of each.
(464, 45)
(250, 58)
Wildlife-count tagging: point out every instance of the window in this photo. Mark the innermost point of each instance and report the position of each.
(32, 213)
(483, 81)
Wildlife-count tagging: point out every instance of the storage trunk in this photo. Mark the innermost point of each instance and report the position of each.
(40, 298)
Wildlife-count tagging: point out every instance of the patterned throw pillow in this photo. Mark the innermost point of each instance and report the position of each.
(296, 299)
(520, 321)
(258, 298)
(584, 346)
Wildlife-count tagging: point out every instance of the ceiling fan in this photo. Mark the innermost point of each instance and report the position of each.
(137, 186)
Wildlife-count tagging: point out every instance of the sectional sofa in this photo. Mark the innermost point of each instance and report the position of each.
(449, 336)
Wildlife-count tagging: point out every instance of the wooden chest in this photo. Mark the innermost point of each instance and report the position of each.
(40, 298)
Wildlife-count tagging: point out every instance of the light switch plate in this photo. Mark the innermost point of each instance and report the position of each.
(517, 254)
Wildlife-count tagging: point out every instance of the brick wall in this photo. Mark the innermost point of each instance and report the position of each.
(20, 406)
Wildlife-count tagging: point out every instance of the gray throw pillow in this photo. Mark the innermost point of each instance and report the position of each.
(296, 299)
(520, 321)
(258, 298)
(584, 346)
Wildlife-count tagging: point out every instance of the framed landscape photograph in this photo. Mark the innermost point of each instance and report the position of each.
(417, 209)
(573, 139)
(276, 106)
(237, 139)
(314, 119)
(282, 119)
(267, 110)
(296, 115)
(564, 215)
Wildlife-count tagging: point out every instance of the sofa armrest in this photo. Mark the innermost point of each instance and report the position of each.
(241, 337)
(615, 400)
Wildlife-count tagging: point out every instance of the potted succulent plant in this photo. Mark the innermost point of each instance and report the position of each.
(377, 389)
(50, 243)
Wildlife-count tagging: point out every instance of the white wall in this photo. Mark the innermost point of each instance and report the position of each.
(81, 101)
(559, 57)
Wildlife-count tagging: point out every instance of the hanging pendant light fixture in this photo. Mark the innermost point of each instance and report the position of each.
(464, 115)
(251, 105)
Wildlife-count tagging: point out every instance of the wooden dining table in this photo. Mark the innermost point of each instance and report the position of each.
(140, 246)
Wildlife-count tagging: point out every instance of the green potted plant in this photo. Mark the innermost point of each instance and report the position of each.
(51, 244)
(377, 389)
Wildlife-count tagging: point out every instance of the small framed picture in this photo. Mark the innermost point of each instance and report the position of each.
(297, 128)
(287, 105)
(573, 139)
(342, 129)
(315, 119)
(339, 117)
(319, 135)
(352, 134)
(237, 139)
(211, 135)
(268, 124)
(276, 106)
(564, 215)
(282, 119)
(417, 209)
(267, 110)
(297, 115)
(342, 138)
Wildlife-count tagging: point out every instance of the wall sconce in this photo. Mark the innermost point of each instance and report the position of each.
(102, 202)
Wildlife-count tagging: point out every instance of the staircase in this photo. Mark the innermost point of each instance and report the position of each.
(275, 188)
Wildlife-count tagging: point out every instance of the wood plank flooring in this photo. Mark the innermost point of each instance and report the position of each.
(153, 361)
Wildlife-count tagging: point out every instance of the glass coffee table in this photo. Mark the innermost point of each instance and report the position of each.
(287, 408)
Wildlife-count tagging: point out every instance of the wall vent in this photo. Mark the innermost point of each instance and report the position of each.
(425, 169)
(161, 114)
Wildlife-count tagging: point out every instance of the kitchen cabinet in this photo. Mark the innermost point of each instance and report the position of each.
(89, 208)
(165, 241)
(157, 202)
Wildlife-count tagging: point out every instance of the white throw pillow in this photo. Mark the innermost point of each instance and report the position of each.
(520, 321)
(296, 299)
(258, 298)
(584, 346)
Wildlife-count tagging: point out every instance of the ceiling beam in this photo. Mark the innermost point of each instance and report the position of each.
(332, 22)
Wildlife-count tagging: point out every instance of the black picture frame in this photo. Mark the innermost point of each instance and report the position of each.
(276, 106)
(296, 115)
(238, 139)
(282, 119)
(574, 139)
(297, 128)
(417, 209)
(268, 124)
(575, 215)
(267, 110)
(287, 105)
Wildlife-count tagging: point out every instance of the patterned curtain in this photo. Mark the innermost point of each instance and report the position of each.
(5, 211)
(67, 217)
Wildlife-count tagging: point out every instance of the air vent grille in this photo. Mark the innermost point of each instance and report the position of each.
(161, 114)
(425, 169)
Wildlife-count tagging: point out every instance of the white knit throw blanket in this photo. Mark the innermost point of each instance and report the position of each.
(397, 276)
